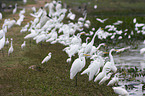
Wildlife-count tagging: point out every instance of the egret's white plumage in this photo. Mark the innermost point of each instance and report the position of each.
(2, 41)
(77, 66)
(1, 15)
(11, 49)
(7, 42)
(102, 21)
(114, 80)
(23, 45)
(105, 78)
(46, 58)
(15, 9)
(120, 91)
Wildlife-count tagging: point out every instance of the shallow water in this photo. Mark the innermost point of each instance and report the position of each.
(129, 60)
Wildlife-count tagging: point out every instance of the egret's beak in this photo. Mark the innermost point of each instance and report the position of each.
(116, 50)
(102, 28)
(87, 55)
(105, 52)
(105, 45)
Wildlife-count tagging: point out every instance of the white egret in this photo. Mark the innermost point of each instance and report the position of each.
(114, 80)
(15, 9)
(94, 49)
(134, 20)
(107, 77)
(7, 42)
(24, 1)
(77, 65)
(11, 49)
(142, 51)
(23, 45)
(89, 45)
(9, 23)
(102, 21)
(2, 41)
(118, 22)
(110, 64)
(120, 91)
(100, 76)
(71, 15)
(95, 6)
(1, 15)
(46, 58)
(92, 69)
(34, 9)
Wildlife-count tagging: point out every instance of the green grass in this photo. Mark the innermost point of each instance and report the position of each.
(109, 7)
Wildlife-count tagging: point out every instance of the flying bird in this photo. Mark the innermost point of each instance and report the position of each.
(102, 21)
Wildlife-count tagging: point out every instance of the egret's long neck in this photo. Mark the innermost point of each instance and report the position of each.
(87, 40)
(99, 46)
(111, 57)
(11, 43)
(94, 37)
(84, 60)
(4, 36)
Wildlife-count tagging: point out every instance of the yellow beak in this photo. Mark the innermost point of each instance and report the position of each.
(106, 52)
(87, 55)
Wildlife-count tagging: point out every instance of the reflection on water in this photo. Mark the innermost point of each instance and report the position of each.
(132, 64)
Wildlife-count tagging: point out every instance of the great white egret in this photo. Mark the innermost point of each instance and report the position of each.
(77, 65)
(120, 91)
(2, 41)
(23, 45)
(7, 42)
(100, 76)
(15, 9)
(11, 49)
(1, 15)
(110, 64)
(114, 80)
(92, 69)
(107, 77)
(89, 45)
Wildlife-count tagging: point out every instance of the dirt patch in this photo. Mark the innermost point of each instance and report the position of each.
(39, 3)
